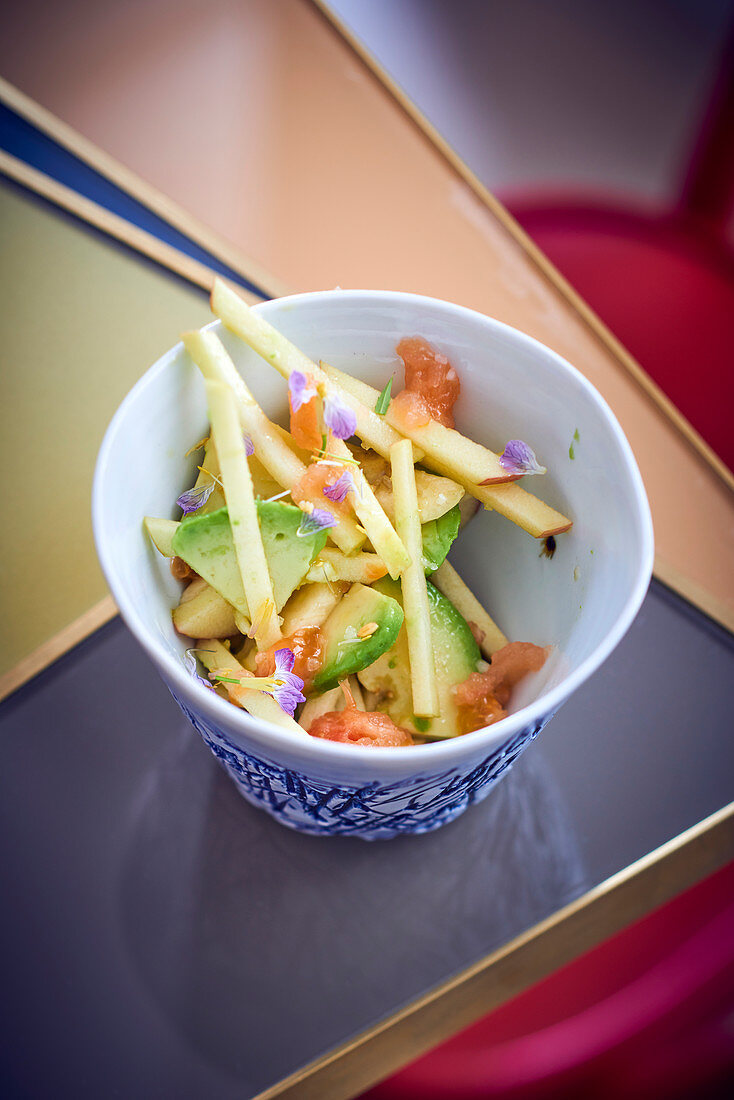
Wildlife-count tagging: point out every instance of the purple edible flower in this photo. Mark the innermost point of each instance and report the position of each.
(317, 520)
(300, 389)
(518, 458)
(287, 688)
(193, 499)
(339, 418)
(249, 446)
(339, 490)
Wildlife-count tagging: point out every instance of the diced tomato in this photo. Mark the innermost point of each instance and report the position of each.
(307, 646)
(310, 487)
(429, 375)
(482, 698)
(305, 426)
(357, 727)
(181, 570)
(410, 410)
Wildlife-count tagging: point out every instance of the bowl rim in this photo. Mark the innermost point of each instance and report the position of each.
(362, 757)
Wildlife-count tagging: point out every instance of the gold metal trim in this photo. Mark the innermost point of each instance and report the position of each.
(721, 613)
(154, 199)
(455, 1004)
(111, 224)
(57, 645)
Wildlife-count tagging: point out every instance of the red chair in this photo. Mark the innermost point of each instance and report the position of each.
(663, 283)
(646, 1015)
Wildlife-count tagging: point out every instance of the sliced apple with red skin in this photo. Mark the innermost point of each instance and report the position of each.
(446, 450)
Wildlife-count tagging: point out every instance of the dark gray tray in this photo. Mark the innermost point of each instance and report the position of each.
(161, 937)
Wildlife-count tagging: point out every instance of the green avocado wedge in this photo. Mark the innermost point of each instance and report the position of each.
(437, 536)
(344, 651)
(205, 543)
(455, 655)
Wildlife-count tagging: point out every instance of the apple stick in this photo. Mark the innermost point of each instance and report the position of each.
(522, 508)
(332, 565)
(210, 355)
(217, 658)
(310, 605)
(510, 500)
(209, 469)
(432, 441)
(286, 357)
(436, 495)
(448, 581)
(356, 689)
(263, 482)
(243, 519)
(448, 451)
(372, 429)
(201, 610)
(516, 504)
(380, 531)
(161, 532)
(415, 594)
(317, 705)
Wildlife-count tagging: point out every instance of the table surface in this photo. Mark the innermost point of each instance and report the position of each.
(185, 925)
(267, 139)
(150, 911)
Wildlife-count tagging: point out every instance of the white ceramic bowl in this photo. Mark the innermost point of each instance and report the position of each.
(582, 601)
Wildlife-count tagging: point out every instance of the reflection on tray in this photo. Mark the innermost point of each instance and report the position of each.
(250, 951)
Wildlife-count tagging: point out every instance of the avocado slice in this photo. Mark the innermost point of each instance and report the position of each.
(205, 543)
(344, 651)
(455, 654)
(437, 537)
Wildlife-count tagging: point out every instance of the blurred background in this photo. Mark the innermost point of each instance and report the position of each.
(607, 129)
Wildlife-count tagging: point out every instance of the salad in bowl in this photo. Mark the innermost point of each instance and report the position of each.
(316, 591)
(372, 541)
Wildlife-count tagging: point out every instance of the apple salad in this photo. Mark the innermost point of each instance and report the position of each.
(315, 586)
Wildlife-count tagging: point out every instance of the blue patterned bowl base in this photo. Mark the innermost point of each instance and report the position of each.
(375, 811)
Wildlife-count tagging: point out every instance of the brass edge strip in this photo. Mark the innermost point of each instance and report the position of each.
(592, 320)
(455, 1004)
(107, 166)
(115, 226)
(57, 645)
(695, 594)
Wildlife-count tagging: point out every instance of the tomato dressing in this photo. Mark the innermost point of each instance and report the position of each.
(410, 410)
(310, 488)
(482, 698)
(305, 425)
(430, 377)
(358, 727)
(181, 570)
(308, 650)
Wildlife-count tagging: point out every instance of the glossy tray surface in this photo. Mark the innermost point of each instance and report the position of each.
(149, 909)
